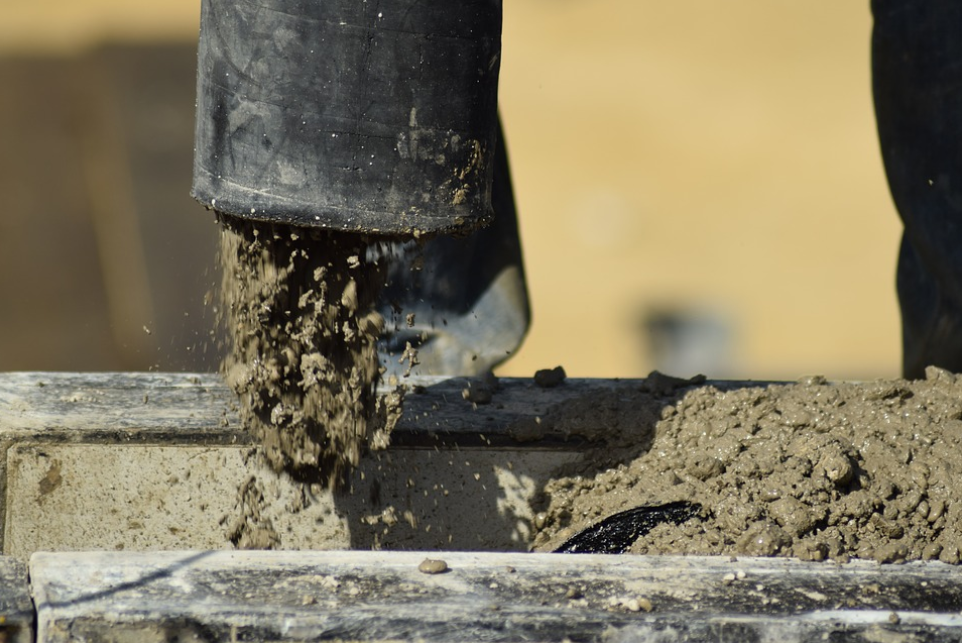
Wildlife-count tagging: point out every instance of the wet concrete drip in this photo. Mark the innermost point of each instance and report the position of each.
(298, 306)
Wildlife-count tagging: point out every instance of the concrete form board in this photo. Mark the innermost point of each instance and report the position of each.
(77, 497)
(378, 596)
(158, 461)
(48, 420)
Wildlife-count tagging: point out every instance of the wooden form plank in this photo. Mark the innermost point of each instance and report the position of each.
(108, 408)
(16, 608)
(379, 596)
(197, 407)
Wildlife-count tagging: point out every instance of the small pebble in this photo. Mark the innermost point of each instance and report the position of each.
(477, 393)
(550, 377)
(540, 520)
(432, 566)
(630, 604)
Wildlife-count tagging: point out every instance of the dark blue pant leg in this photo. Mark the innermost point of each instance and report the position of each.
(917, 86)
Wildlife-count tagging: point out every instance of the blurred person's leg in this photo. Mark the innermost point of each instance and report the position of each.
(917, 84)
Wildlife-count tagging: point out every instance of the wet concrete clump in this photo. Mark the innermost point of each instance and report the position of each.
(298, 307)
(813, 470)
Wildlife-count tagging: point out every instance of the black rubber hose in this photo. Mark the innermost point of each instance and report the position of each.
(377, 117)
(616, 533)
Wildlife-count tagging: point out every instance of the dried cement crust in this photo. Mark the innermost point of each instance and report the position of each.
(298, 305)
(813, 469)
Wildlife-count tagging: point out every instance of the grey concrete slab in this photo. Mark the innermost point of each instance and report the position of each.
(378, 596)
(16, 608)
(150, 461)
(50, 419)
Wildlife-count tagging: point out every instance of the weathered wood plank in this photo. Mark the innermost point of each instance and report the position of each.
(16, 608)
(377, 596)
(106, 408)
(197, 407)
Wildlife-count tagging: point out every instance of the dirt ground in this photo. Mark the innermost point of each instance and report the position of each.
(812, 469)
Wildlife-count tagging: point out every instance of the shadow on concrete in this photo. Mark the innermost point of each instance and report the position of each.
(462, 476)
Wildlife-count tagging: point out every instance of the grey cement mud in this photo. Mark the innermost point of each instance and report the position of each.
(298, 306)
(812, 469)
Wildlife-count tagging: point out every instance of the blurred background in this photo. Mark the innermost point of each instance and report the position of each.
(699, 187)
